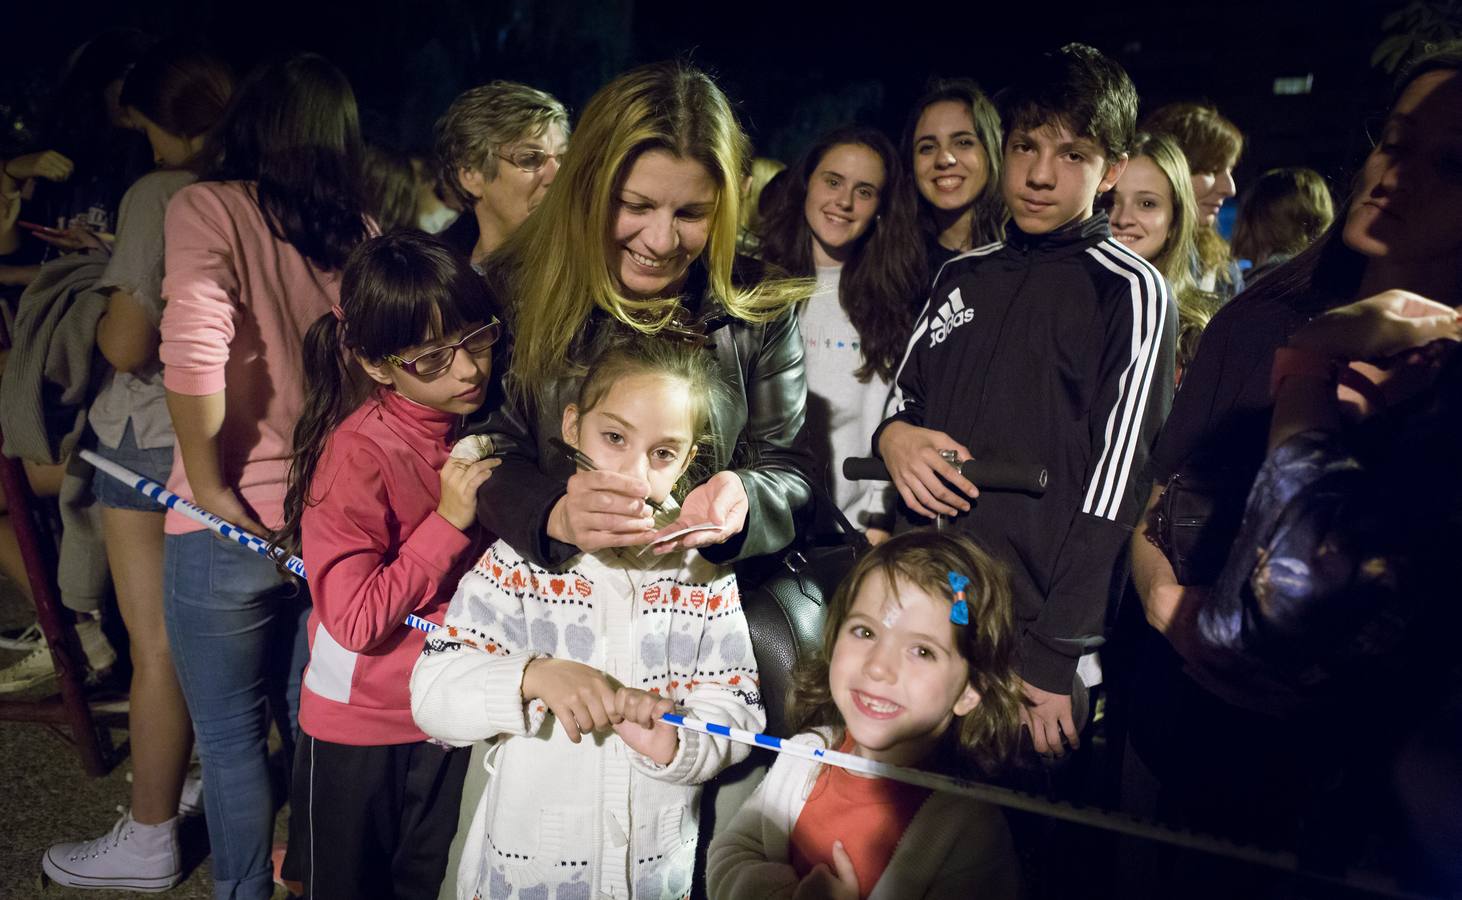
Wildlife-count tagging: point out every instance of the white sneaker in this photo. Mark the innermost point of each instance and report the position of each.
(100, 655)
(24, 639)
(190, 803)
(130, 857)
(33, 670)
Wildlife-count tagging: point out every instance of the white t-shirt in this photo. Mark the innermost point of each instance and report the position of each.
(842, 412)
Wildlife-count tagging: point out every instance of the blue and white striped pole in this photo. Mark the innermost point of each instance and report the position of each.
(164, 497)
(167, 498)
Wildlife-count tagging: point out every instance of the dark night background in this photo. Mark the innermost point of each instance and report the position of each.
(792, 69)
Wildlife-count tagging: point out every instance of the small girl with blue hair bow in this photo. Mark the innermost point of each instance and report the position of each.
(917, 669)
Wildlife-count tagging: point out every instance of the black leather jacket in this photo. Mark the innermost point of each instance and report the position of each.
(758, 430)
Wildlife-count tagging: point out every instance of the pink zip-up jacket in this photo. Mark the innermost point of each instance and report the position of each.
(238, 303)
(376, 549)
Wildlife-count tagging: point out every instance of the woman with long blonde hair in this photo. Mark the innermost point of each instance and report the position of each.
(640, 229)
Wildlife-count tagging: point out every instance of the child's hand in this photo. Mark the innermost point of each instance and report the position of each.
(1048, 716)
(838, 883)
(640, 726)
(926, 481)
(579, 696)
(460, 480)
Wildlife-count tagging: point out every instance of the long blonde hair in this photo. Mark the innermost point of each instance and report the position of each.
(556, 267)
(1175, 258)
(1174, 261)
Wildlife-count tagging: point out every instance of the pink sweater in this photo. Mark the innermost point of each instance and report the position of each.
(376, 549)
(238, 303)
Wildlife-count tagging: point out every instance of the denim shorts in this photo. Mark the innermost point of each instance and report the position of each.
(154, 464)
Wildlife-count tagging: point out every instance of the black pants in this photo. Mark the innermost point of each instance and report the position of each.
(370, 822)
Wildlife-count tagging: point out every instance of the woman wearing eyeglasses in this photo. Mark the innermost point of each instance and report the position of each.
(254, 252)
(499, 147)
(641, 230)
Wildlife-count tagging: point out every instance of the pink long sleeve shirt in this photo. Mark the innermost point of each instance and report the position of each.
(376, 549)
(238, 303)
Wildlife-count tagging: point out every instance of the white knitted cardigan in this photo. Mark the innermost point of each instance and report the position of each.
(593, 819)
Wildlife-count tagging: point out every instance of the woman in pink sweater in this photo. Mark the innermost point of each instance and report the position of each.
(387, 518)
(253, 253)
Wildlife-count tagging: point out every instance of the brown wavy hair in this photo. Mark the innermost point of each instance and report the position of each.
(988, 735)
(1282, 213)
(886, 276)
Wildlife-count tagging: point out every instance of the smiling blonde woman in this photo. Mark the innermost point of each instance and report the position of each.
(640, 229)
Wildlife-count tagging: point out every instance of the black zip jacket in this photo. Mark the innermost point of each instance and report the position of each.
(758, 430)
(1054, 349)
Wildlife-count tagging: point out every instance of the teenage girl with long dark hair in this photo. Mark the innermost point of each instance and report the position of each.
(848, 218)
(254, 253)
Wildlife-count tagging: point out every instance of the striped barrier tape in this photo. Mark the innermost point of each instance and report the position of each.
(1094, 818)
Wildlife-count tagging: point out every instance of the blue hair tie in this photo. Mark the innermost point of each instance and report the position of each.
(960, 613)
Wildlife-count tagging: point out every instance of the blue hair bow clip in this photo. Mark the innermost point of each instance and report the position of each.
(960, 613)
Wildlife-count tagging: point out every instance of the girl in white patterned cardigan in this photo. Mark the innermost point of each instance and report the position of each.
(566, 671)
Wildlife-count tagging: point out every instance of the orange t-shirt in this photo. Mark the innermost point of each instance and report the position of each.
(868, 815)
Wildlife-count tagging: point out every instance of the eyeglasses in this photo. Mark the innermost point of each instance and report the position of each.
(531, 159)
(439, 359)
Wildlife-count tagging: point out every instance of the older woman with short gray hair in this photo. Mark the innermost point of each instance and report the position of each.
(499, 147)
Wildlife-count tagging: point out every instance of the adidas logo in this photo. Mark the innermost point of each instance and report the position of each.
(950, 315)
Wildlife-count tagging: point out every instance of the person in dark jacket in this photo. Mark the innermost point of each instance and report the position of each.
(1232, 748)
(642, 230)
(1053, 348)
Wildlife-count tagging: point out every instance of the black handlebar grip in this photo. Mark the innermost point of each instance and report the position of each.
(987, 474)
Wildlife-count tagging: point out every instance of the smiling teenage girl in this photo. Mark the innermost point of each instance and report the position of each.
(848, 218)
(953, 137)
(1152, 212)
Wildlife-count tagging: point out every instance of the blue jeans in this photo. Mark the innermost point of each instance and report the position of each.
(237, 632)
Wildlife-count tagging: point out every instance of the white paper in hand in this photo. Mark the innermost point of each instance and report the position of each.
(473, 447)
(704, 526)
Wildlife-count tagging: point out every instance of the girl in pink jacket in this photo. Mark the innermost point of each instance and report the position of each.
(386, 517)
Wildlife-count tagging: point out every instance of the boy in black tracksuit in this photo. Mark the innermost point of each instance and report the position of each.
(1054, 348)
